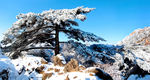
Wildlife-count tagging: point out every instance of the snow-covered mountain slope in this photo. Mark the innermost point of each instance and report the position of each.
(95, 53)
(136, 53)
(137, 37)
(136, 47)
(107, 57)
(131, 56)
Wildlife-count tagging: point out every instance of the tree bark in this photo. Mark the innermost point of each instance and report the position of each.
(57, 41)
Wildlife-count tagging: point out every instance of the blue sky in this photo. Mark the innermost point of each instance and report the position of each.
(112, 19)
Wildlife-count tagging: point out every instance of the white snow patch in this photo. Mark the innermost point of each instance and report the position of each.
(6, 64)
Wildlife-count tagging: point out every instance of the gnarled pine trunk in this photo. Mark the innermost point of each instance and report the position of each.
(57, 40)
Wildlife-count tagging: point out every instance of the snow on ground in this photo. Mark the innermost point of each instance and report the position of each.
(36, 68)
(7, 69)
(75, 76)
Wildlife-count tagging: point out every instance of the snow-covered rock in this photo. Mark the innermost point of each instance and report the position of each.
(139, 55)
(7, 69)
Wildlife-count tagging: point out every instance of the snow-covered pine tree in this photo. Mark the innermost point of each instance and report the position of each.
(33, 28)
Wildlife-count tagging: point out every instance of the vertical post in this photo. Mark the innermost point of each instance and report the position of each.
(57, 41)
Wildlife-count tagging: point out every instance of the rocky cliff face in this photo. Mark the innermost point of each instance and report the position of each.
(137, 47)
(136, 53)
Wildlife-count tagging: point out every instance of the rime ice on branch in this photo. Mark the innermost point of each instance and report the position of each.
(32, 28)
